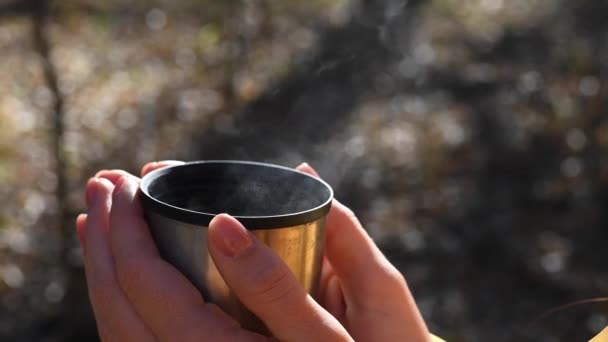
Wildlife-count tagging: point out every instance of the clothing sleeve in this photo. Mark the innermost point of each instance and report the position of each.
(437, 339)
(601, 337)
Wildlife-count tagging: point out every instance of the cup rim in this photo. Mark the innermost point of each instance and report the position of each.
(199, 218)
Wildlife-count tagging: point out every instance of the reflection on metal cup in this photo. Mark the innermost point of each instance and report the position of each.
(284, 208)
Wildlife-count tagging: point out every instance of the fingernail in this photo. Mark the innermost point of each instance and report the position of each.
(92, 192)
(121, 182)
(80, 220)
(100, 172)
(125, 185)
(231, 237)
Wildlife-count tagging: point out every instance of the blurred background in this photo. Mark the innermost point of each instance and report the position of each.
(470, 136)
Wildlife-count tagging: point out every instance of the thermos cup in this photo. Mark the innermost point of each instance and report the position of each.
(284, 208)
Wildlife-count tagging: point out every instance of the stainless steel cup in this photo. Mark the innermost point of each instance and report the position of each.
(284, 208)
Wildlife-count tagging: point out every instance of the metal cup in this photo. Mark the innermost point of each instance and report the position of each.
(284, 208)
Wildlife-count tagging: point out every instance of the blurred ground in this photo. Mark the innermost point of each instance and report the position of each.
(470, 136)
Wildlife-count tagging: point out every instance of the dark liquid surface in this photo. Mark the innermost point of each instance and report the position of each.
(240, 190)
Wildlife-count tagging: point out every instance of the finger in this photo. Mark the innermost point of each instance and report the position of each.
(171, 306)
(113, 175)
(330, 292)
(266, 285)
(158, 165)
(326, 273)
(81, 222)
(334, 298)
(304, 167)
(112, 309)
(370, 283)
(354, 256)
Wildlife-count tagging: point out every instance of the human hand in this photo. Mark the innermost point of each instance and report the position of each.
(360, 287)
(137, 296)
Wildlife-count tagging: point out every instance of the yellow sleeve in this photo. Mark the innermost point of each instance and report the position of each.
(601, 337)
(437, 339)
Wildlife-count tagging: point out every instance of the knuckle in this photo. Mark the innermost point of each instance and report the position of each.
(351, 214)
(105, 335)
(101, 294)
(395, 277)
(394, 283)
(272, 285)
(352, 217)
(130, 275)
(184, 335)
(348, 212)
(218, 313)
(391, 275)
(145, 168)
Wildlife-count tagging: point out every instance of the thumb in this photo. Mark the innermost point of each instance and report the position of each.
(266, 286)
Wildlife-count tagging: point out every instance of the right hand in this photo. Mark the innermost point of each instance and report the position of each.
(360, 287)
